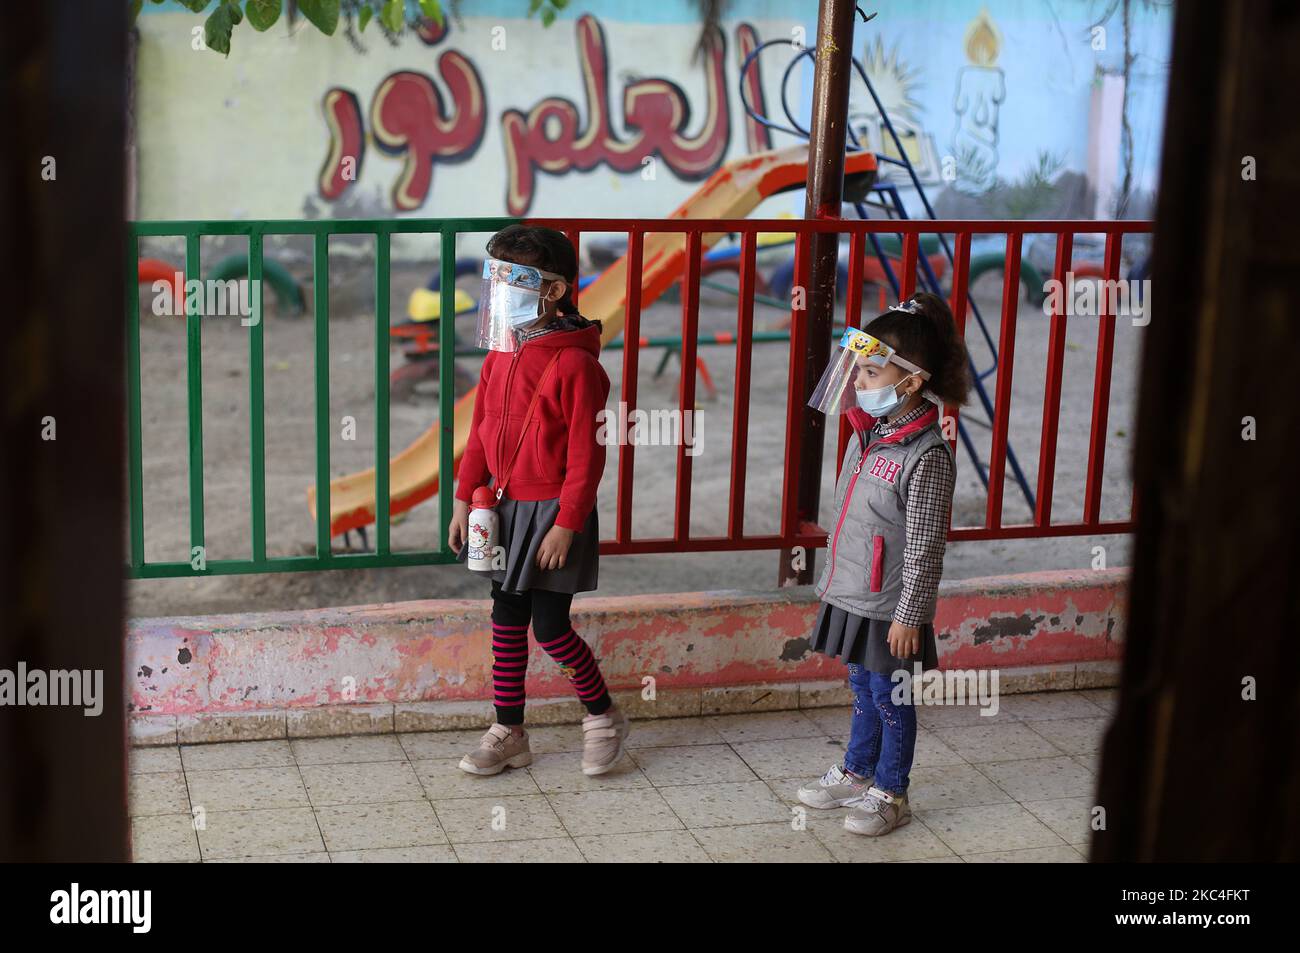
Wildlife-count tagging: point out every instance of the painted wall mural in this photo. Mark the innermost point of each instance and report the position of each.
(409, 118)
(608, 113)
(981, 89)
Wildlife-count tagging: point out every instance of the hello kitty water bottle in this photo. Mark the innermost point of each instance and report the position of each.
(483, 523)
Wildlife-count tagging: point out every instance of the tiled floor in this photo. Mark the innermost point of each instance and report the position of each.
(1014, 787)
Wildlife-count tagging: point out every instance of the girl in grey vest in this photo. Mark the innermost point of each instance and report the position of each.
(885, 552)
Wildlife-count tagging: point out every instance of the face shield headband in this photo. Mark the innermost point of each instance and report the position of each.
(835, 392)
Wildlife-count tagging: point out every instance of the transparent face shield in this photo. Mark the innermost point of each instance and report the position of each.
(509, 301)
(835, 392)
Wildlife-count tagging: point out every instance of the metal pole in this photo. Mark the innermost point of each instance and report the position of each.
(830, 100)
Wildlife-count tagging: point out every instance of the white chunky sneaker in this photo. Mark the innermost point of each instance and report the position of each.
(878, 812)
(835, 788)
(603, 736)
(498, 749)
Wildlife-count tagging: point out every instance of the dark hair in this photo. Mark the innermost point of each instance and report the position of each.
(928, 338)
(543, 248)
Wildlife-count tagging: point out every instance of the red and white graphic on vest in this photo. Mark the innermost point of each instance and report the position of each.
(886, 470)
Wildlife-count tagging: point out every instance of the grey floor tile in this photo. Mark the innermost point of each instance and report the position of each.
(1074, 736)
(366, 783)
(549, 850)
(562, 771)
(237, 754)
(428, 854)
(442, 779)
(356, 748)
(247, 789)
(725, 804)
(643, 847)
(952, 785)
(481, 819)
(762, 843)
(1039, 779)
(1010, 741)
(348, 827)
(691, 764)
(1051, 705)
(988, 827)
(792, 757)
(154, 760)
(287, 830)
(765, 726)
(162, 792)
(912, 841)
(614, 812)
(164, 838)
(673, 732)
(1070, 817)
(1032, 855)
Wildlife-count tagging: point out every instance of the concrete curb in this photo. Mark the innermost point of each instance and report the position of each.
(426, 666)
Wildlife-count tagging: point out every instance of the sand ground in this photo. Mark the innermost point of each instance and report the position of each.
(290, 453)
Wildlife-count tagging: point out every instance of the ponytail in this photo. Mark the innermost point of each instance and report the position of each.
(923, 331)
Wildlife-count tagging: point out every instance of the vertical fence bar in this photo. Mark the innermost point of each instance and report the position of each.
(957, 303)
(690, 335)
(382, 489)
(256, 399)
(909, 265)
(194, 387)
(631, 364)
(1101, 380)
(575, 236)
(446, 380)
(852, 319)
(794, 405)
(135, 451)
(740, 403)
(1006, 368)
(320, 263)
(853, 297)
(1063, 276)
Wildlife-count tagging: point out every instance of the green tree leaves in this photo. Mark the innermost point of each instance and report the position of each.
(219, 25)
(262, 14)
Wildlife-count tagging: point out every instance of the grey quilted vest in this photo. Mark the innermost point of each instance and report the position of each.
(864, 562)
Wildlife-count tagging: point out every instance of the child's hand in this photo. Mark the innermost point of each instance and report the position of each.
(904, 640)
(554, 548)
(458, 531)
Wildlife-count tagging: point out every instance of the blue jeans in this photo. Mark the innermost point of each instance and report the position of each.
(882, 735)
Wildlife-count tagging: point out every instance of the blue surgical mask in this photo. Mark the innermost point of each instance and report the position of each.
(519, 306)
(881, 401)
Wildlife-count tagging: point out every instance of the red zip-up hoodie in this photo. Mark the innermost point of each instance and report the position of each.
(560, 455)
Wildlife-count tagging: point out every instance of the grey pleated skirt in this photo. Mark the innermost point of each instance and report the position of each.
(857, 640)
(523, 525)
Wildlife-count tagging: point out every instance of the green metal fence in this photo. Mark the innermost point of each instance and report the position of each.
(256, 232)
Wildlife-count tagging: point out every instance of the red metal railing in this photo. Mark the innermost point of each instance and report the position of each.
(799, 530)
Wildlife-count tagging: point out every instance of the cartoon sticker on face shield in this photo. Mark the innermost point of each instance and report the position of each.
(510, 300)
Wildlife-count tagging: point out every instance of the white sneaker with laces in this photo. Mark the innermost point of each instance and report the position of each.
(878, 812)
(835, 788)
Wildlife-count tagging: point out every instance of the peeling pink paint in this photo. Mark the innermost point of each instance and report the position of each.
(441, 649)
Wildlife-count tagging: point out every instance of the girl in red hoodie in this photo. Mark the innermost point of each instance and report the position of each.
(547, 515)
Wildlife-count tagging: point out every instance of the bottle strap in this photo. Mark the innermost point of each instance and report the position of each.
(509, 467)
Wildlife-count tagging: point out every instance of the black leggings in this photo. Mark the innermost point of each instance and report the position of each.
(549, 614)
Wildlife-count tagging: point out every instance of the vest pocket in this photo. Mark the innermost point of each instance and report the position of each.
(877, 562)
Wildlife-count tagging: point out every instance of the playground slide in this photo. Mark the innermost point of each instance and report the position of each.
(733, 191)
